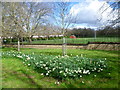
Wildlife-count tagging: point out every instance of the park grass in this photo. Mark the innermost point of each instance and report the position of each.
(17, 75)
(76, 40)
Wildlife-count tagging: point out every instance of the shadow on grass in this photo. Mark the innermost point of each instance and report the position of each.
(8, 48)
(22, 76)
(31, 80)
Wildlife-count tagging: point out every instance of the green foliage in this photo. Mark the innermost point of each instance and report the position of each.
(6, 41)
(60, 66)
(53, 38)
(87, 32)
(34, 39)
(26, 77)
(14, 40)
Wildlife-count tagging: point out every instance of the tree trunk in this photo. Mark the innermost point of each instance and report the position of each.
(10, 40)
(48, 37)
(64, 47)
(22, 42)
(95, 34)
(18, 44)
(30, 40)
(1, 41)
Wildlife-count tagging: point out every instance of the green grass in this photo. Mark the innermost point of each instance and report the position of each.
(77, 40)
(16, 75)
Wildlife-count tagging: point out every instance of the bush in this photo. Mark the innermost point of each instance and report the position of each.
(34, 39)
(60, 67)
(6, 41)
(51, 38)
(14, 40)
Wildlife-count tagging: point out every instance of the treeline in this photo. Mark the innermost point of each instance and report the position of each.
(87, 32)
(108, 32)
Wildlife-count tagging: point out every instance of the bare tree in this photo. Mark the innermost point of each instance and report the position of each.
(36, 13)
(21, 18)
(63, 19)
(0, 24)
(113, 14)
(13, 17)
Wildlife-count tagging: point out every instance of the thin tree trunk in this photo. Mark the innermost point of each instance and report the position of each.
(47, 37)
(64, 47)
(10, 40)
(22, 42)
(18, 44)
(30, 40)
(95, 34)
(1, 41)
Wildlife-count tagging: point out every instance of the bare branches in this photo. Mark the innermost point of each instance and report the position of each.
(62, 15)
(63, 19)
(113, 13)
(35, 15)
(23, 18)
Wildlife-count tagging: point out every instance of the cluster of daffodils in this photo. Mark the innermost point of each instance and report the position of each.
(60, 66)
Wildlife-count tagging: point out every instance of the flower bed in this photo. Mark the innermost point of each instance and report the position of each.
(60, 66)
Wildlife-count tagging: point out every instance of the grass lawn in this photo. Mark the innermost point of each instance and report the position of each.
(16, 75)
(76, 41)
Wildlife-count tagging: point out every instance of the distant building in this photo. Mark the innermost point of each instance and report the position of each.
(41, 36)
(35, 36)
(72, 36)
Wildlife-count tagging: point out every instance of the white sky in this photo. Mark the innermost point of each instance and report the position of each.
(88, 12)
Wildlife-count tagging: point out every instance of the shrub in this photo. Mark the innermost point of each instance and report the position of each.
(14, 40)
(6, 41)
